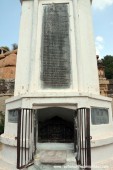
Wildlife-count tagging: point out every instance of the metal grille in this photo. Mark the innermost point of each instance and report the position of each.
(56, 130)
(55, 49)
(26, 145)
(83, 146)
(27, 138)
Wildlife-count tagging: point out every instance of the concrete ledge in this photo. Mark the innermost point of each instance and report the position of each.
(55, 146)
(102, 141)
(8, 140)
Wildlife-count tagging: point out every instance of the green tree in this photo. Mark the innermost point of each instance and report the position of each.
(14, 46)
(108, 63)
(6, 48)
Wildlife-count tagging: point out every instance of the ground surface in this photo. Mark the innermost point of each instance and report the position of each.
(103, 165)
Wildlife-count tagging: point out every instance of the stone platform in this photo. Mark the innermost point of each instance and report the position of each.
(53, 157)
(103, 165)
(55, 160)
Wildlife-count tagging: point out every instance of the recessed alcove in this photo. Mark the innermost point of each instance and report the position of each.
(55, 124)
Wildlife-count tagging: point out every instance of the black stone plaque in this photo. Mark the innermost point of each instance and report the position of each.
(55, 49)
(99, 116)
(13, 116)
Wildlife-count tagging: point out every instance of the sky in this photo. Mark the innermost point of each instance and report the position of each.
(102, 12)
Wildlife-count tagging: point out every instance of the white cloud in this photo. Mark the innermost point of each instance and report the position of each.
(99, 44)
(99, 39)
(101, 4)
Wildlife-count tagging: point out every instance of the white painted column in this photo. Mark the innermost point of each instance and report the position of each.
(23, 58)
(77, 42)
(33, 79)
(86, 53)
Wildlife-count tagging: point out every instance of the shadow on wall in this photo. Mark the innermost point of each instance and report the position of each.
(112, 108)
(2, 118)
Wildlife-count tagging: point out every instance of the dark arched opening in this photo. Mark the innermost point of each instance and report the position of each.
(55, 125)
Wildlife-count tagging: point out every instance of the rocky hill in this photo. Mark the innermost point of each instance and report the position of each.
(8, 65)
(7, 78)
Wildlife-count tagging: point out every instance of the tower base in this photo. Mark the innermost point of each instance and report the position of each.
(102, 134)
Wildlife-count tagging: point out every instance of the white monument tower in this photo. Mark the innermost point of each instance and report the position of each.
(56, 90)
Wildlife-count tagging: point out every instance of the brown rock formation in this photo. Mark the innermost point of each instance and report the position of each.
(8, 65)
(7, 72)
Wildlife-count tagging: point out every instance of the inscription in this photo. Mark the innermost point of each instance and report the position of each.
(99, 116)
(55, 49)
(13, 116)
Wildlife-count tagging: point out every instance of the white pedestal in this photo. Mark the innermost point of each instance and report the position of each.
(102, 135)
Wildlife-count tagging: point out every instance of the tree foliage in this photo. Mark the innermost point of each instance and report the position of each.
(14, 46)
(6, 48)
(108, 63)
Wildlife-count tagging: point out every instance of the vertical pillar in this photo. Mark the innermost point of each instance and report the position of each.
(86, 53)
(23, 58)
(33, 81)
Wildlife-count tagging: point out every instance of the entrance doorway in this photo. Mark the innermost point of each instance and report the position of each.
(60, 125)
(55, 124)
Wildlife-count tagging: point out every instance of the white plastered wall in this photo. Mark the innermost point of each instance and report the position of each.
(24, 50)
(84, 64)
(86, 69)
(86, 59)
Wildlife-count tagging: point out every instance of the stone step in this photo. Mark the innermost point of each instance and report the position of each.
(55, 160)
